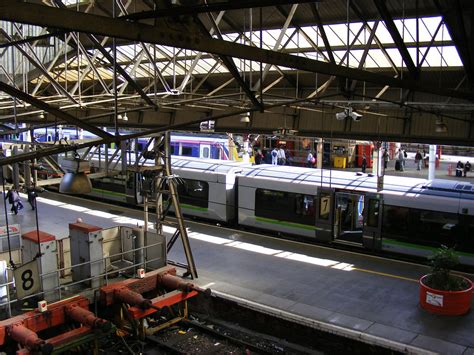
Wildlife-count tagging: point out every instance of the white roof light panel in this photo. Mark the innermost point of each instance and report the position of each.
(336, 34)
(382, 33)
(396, 57)
(270, 37)
(313, 33)
(450, 57)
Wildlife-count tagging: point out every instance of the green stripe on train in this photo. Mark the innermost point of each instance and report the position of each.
(107, 192)
(423, 247)
(195, 208)
(286, 224)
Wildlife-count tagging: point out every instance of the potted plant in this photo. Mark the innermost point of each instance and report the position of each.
(442, 292)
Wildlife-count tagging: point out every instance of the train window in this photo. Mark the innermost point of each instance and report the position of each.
(285, 206)
(324, 205)
(194, 192)
(187, 151)
(421, 226)
(172, 149)
(373, 213)
(205, 152)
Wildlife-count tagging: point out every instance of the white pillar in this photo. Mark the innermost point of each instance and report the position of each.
(377, 162)
(245, 155)
(319, 153)
(432, 164)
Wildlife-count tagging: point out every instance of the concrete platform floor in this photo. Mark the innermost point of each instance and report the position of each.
(357, 294)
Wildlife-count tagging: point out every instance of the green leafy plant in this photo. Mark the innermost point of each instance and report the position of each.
(440, 278)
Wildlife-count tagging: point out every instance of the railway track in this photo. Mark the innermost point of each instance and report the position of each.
(198, 337)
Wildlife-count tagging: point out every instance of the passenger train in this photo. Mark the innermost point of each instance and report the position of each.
(407, 216)
(199, 145)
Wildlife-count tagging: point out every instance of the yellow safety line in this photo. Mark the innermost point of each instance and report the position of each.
(384, 274)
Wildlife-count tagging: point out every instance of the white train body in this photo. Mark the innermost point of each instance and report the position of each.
(408, 215)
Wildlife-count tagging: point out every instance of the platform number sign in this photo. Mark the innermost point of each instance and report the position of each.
(324, 207)
(27, 280)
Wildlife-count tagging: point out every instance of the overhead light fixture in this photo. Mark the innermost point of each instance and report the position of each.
(75, 181)
(125, 118)
(119, 117)
(245, 117)
(348, 113)
(41, 115)
(440, 126)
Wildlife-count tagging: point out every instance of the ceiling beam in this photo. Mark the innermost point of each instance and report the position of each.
(20, 95)
(76, 21)
(212, 7)
(397, 38)
(453, 17)
(229, 64)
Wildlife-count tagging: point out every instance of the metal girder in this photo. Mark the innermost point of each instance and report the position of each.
(20, 95)
(453, 18)
(71, 20)
(107, 55)
(31, 39)
(213, 7)
(230, 65)
(36, 62)
(397, 38)
(322, 32)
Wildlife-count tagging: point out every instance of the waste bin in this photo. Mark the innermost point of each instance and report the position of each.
(340, 162)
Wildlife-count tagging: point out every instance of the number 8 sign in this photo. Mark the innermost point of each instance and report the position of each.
(27, 281)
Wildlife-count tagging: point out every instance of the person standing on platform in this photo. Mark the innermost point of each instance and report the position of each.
(310, 160)
(459, 168)
(274, 156)
(364, 163)
(467, 168)
(281, 156)
(386, 158)
(401, 159)
(418, 160)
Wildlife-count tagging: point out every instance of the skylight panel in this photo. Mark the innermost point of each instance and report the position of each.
(450, 57)
(382, 33)
(443, 34)
(336, 34)
(396, 57)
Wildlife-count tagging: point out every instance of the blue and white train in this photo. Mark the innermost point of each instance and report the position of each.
(198, 145)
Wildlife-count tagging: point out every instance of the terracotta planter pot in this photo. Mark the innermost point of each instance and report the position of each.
(451, 303)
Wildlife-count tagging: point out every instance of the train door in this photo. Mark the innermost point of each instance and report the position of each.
(349, 218)
(205, 151)
(324, 214)
(373, 222)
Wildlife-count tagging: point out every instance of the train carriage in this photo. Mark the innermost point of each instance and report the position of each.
(207, 187)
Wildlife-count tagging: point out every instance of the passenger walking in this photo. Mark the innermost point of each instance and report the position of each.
(31, 193)
(14, 200)
(281, 156)
(418, 160)
(459, 169)
(386, 159)
(467, 168)
(364, 163)
(274, 156)
(11, 201)
(310, 160)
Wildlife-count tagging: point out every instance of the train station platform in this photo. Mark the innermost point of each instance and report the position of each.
(373, 299)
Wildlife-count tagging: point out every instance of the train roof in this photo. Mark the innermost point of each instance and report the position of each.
(349, 180)
(208, 165)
